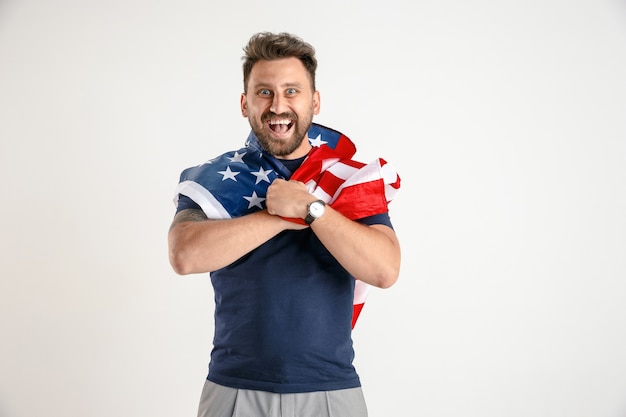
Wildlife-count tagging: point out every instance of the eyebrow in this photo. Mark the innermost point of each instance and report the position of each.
(282, 86)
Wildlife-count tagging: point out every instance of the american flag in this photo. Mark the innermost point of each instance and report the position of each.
(235, 183)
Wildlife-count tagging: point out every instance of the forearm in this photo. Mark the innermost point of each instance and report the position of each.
(208, 245)
(369, 253)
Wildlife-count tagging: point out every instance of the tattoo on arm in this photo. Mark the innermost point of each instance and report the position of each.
(188, 215)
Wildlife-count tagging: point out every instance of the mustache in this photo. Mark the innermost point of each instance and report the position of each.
(271, 115)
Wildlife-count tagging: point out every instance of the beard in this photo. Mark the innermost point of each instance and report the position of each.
(276, 147)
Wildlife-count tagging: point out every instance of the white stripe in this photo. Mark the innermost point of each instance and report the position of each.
(390, 176)
(369, 172)
(318, 192)
(361, 290)
(343, 171)
(209, 204)
(328, 162)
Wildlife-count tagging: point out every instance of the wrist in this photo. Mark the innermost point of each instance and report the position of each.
(314, 210)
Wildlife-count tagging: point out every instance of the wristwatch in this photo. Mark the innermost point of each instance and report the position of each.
(315, 210)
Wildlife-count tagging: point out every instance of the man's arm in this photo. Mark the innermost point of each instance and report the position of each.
(369, 253)
(198, 244)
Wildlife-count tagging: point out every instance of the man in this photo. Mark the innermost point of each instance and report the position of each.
(286, 237)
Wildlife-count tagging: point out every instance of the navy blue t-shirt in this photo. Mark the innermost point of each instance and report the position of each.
(283, 316)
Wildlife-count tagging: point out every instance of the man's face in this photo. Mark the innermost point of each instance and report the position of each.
(280, 105)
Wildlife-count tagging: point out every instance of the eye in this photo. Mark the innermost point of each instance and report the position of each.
(291, 91)
(264, 92)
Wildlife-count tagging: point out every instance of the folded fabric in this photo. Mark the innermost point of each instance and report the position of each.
(235, 183)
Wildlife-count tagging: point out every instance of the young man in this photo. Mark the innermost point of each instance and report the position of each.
(287, 226)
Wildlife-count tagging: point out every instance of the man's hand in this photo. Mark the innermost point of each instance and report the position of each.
(288, 199)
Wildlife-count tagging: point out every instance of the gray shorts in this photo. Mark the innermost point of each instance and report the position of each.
(221, 401)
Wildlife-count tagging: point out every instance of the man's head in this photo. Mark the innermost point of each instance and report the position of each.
(269, 47)
(279, 96)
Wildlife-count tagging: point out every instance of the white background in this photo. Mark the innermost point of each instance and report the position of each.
(506, 121)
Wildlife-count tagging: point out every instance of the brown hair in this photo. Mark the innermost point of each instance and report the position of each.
(269, 46)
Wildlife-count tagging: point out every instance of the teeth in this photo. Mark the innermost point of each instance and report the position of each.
(280, 122)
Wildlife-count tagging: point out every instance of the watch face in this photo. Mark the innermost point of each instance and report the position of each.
(316, 209)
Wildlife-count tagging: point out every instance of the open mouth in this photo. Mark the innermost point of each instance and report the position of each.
(280, 126)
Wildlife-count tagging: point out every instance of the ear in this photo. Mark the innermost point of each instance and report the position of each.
(244, 105)
(316, 102)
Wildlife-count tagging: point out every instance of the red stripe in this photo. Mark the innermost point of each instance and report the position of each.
(362, 200)
(330, 183)
(355, 312)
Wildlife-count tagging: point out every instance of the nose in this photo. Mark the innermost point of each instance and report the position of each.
(279, 104)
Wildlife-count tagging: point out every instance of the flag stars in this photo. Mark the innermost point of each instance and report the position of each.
(254, 200)
(317, 141)
(261, 175)
(237, 157)
(228, 174)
